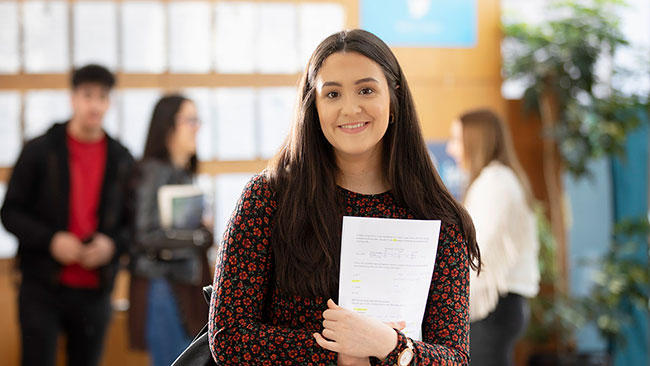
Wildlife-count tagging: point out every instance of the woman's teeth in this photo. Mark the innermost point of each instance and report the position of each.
(357, 125)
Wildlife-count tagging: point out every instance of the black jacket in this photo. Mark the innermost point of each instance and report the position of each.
(37, 204)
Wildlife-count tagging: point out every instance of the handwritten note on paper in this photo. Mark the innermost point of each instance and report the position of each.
(386, 268)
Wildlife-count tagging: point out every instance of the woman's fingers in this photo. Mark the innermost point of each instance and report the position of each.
(329, 324)
(334, 315)
(332, 305)
(324, 343)
(397, 325)
(329, 334)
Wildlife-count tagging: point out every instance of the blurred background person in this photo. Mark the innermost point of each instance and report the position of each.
(169, 264)
(67, 203)
(500, 201)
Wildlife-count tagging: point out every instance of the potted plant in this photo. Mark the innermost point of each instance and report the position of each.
(621, 281)
(554, 318)
(584, 118)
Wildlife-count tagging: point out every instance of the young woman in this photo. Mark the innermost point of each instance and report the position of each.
(169, 266)
(356, 149)
(499, 200)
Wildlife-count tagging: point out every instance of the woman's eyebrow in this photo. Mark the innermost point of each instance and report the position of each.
(360, 81)
(331, 83)
(365, 80)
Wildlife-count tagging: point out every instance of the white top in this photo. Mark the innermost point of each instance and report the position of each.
(506, 233)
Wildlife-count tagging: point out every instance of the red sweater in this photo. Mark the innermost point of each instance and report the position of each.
(254, 323)
(87, 164)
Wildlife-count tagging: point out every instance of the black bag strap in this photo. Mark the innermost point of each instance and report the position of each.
(198, 352)
(207, 293)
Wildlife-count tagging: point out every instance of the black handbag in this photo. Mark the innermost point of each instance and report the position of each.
(198, 352)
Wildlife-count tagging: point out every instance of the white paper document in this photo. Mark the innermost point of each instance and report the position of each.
(317, 21)
(386, 268)
(9, 55)
(235, 37)
(275, 113)
(235, 128)
(136, 110)
(143, 37)
(189, 36)
(43, 108)
(45, 36)
(10, 138)
(95, 33)
(277, 47)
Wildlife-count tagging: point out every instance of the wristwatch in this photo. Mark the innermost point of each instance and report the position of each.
(406, 356)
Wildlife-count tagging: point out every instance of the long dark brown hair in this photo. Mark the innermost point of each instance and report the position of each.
(307, 234)
(163, 123)
(486, 139)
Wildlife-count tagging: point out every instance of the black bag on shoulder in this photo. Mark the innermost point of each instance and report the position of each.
(198, 352)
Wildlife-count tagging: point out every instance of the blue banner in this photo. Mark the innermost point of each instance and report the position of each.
(421, 23)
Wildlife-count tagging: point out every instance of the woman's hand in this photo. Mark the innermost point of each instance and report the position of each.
(344, 360)
(356, 335)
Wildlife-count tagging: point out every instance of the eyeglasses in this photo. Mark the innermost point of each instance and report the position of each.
(192, 121)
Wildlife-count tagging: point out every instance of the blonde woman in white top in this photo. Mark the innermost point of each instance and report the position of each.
(499, 200)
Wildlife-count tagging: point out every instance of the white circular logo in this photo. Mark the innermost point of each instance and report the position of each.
(418, 8)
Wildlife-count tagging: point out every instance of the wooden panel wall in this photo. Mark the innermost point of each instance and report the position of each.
(448, 81)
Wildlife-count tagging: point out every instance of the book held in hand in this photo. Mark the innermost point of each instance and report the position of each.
(180, 206)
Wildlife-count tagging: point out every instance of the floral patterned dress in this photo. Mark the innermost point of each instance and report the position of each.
(254, 323)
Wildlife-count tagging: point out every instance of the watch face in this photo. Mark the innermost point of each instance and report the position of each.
(406, 357)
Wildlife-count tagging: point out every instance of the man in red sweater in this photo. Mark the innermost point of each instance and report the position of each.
(68, 204)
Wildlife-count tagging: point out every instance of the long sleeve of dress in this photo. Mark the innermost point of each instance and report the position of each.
(238, 332)
(445, 328)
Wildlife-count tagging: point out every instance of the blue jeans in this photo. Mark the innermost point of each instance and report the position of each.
(166, 336)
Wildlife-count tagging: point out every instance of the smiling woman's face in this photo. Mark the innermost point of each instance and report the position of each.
(353, 103)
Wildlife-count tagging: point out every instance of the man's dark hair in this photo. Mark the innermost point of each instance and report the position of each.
(93, 74)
